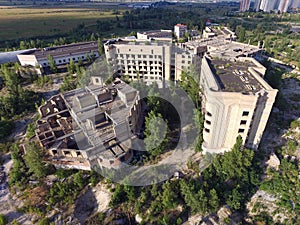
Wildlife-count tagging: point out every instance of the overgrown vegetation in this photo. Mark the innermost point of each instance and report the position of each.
(17, 100)
(231, 179)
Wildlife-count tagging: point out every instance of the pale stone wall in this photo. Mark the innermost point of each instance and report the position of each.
(229, 114)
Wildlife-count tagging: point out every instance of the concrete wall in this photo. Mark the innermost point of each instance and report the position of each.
(26, 60)
(229, 114)
(150, 62)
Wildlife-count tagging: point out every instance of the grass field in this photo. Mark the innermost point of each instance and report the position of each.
(20, 23)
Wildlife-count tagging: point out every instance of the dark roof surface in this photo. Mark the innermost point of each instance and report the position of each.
(64, 50)
(234, 76)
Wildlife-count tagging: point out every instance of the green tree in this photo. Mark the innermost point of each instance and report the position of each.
(199, 121)
(12, 81)
(100, 47)
(52, 63)
(34, 160)
(18, 174)
(3, 219)
(156, 134)
(241, 33)
(78, 179)
(44, 221)
(213, 200)
(169, 197)
(71, 67)
(6, 128)
(30, 131)
(234, 200)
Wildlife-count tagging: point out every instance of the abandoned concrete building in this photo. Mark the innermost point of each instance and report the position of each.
(91, 126)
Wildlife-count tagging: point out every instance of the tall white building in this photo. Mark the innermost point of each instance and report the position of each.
(236, 101)
(284, 5)
(244, 5)
(257, 5)
(274, 5)
(295, 4)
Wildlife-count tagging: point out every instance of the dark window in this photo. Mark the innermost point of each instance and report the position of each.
(54, 152)
(82, 57)
(208, 122)
(243, 122)
(245, 113)
(208, 113)
(73, 59)
(59, 61)
(241, 130)
(64, 60)
(207, 130)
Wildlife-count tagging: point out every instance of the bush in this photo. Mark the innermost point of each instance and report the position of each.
(6, 128)
(44, 221)
(30, 132)
(3, 219)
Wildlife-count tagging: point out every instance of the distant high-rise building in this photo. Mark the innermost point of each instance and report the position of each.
(257, 5)
(295, 4)
(272, 5)
(263, 4)
(268, 5)
(244, 5)
(283, 5)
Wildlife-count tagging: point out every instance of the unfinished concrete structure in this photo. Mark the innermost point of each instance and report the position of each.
(90, 126)
(236, 101)
(150, 61)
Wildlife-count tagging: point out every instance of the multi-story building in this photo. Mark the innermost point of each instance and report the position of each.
(284, 5)
(148, 61)
(62, 55)
(257, 5)
(180, 30)
(91, 126)
(236, 101)
(244, 5)
(295, 4)
(274, 5)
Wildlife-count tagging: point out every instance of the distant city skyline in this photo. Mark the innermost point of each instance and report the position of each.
(270, 5)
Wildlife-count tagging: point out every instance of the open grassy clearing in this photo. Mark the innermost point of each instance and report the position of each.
(18, 23)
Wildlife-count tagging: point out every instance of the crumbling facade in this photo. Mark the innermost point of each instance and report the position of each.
(90, 126)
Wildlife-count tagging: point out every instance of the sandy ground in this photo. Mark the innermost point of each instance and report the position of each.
(8, 205)
(94, 200)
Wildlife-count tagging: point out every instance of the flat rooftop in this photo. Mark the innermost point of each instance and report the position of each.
(137, 42)
(231, 49)
(158, 33)
(234, 76)
(64, 50)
